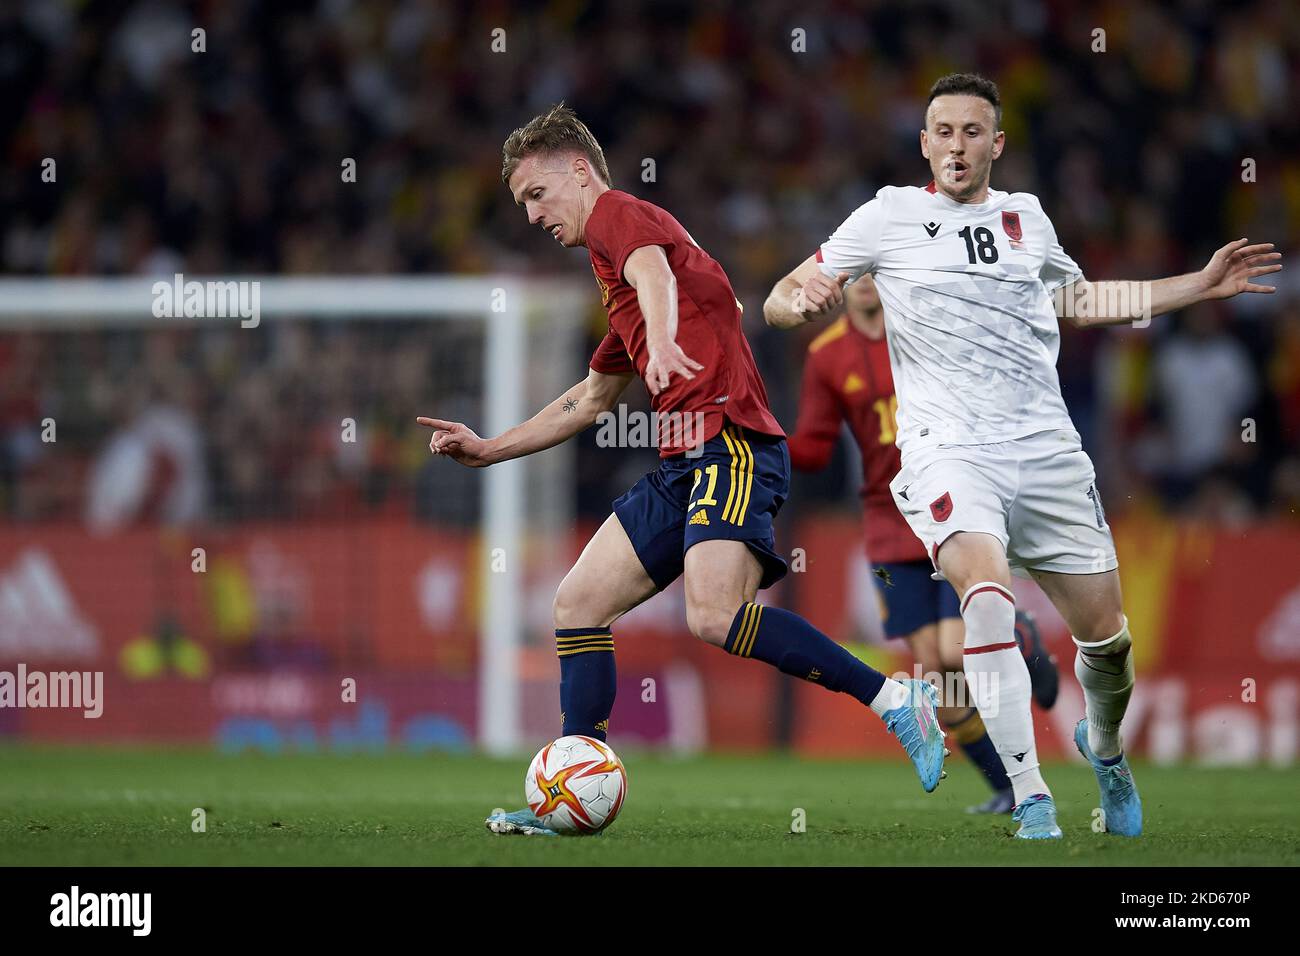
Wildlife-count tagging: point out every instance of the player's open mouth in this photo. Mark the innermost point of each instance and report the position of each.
(555, 230)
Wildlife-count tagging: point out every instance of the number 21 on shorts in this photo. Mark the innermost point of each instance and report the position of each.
(708, 499)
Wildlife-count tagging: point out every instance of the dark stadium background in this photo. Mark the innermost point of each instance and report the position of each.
(227, 163)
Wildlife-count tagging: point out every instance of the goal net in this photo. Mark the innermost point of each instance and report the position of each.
(226, 476)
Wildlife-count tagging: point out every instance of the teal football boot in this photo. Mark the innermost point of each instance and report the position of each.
(517, 822)
(1036, 815)
(1121, 807)
(917, 729)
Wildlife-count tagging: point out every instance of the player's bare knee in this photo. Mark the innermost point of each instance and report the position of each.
(572, 608)
(563, 609)
(709, 621)
(969, 558)
(1101, 626)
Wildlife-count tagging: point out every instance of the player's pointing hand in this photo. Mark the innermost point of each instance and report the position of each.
(667, 360)
(1230, 270)
(821, 295)
(456, 441)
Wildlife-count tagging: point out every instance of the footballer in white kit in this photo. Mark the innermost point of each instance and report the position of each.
(994, 477)
(973, 341)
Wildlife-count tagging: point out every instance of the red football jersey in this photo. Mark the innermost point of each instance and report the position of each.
(847, 377)
(708, 322)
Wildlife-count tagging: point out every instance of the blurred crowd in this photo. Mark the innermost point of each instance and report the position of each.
(767, 122)
(310, 420)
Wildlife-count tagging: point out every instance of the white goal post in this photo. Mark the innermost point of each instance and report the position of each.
(532, 351)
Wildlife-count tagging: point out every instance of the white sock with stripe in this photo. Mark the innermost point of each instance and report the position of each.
(999, 683)
(1105, 672)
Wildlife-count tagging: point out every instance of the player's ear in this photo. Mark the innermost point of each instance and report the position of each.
(999, 143)
(925, 145)
(581, 170)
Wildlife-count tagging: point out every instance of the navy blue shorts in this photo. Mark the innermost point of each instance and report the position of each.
(732, 490)
(912, 599)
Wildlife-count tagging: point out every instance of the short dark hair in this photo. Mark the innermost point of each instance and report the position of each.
(967, 84)
(557, 130)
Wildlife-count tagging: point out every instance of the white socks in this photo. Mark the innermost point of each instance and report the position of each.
(892, 694)
(1105, 672)
(999, 683)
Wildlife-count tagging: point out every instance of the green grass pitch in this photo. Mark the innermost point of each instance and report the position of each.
(134, 807)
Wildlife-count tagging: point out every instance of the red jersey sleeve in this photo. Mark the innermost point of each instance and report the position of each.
(627, 228)
(820, 416)
(611, 358)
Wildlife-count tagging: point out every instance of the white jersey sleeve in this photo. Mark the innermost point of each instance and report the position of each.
(854, 247)
(1058, 269)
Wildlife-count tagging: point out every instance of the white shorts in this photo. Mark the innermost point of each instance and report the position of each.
(1037, 495)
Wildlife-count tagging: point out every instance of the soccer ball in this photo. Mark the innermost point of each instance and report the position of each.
(575, 785)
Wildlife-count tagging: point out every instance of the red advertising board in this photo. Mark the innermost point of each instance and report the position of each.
(246, 637)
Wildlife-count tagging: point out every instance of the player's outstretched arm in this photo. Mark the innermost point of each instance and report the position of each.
(1229, 272)
(569, 414)
(804, 295)
(647, 271)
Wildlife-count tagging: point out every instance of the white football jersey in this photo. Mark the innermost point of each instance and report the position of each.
(967, 292)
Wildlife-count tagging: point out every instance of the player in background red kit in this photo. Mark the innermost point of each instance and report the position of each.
(706, 512)
(847, 378)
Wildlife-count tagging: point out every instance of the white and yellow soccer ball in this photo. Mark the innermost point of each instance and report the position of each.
(576, 785)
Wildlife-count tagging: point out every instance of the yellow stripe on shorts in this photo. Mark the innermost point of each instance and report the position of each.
(731, 484)
(749, 476)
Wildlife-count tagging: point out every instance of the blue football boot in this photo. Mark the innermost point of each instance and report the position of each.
(1121, 807)
(1036, 815)
(518, 822)
(917, 729)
